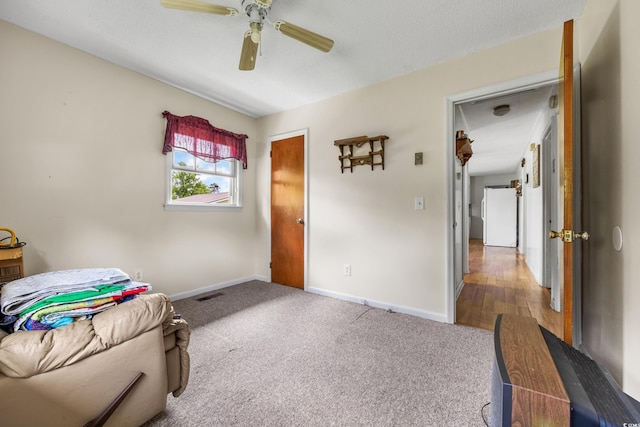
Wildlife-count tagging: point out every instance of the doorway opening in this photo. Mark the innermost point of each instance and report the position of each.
(501, 269)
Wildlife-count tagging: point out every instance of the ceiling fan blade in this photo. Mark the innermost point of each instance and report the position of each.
(249, 53)
(305, 36)
(199, 6)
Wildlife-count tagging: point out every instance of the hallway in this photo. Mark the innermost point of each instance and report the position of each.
(499, 281)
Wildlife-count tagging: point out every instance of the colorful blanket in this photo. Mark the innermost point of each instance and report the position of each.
(55, 299)
(22, 293)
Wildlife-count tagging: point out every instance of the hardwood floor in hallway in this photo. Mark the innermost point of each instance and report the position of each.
(499, 281)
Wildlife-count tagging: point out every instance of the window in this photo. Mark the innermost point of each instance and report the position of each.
(193, 182)
(204, 164)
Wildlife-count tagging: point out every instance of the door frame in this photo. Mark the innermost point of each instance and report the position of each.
(305, 134)
(503, 88)
(577, 204)
(550, 219)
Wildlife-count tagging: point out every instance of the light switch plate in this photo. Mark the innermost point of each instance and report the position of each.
(418, 158)
(419, 203)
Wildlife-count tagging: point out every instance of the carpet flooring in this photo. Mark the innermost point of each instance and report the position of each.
(269, 355)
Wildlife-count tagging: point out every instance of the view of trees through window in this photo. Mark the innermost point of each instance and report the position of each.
(192, 179)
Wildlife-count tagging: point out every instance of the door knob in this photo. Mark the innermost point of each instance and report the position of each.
(568, 236)
(555, 234)
(584, 235)
(299, 221)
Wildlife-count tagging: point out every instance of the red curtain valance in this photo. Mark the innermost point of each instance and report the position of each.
(200, 138)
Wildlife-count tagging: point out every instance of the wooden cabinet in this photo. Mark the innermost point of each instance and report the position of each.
(11, 264)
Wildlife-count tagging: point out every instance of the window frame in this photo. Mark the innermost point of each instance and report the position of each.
(172, 205)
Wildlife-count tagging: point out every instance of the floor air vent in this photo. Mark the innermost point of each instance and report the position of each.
(210, 296)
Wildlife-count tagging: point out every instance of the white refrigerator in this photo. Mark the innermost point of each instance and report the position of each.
(500, 217)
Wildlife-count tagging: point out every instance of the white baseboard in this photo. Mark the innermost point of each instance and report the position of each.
(459, 289)
(535, 272)
(332, 294)
(378, 304)
(198, 291)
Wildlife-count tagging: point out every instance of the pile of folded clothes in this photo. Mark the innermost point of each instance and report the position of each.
(55, 299)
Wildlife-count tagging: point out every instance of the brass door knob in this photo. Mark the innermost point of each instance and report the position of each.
(299, 221)
(555, 234)
(568, 236)
(584, 235)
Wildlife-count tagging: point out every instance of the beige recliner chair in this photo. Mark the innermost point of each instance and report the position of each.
(72, 375)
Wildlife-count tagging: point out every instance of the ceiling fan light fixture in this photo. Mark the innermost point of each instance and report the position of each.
(265, 4)
(501, 110)
(255, 37)
(257, 11)
(255, 32)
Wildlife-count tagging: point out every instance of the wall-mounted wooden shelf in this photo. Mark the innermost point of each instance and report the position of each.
(349, 158)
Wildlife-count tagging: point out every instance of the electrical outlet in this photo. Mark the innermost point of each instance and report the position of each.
(347, 270)
(137, 275)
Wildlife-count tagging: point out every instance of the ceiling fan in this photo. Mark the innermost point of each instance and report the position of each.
(257, 11)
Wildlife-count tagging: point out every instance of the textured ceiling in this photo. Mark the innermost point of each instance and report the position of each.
(374, 40)
(499, 142)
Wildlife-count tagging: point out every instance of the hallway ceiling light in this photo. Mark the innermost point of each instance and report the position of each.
(501, 110)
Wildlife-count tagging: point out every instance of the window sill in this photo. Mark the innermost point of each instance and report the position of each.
(201, 208)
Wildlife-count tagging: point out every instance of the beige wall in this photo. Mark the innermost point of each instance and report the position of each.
(630, 59)
(398, 255)
(83, 175)
(367, 219)
(608, 39)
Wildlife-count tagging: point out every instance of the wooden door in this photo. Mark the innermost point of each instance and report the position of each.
(569, 183)
(287, 211)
